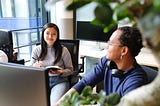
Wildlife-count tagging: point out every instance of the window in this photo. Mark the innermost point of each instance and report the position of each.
(24, 18)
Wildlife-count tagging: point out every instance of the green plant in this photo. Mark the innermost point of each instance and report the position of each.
(88, 98)
(110, 12)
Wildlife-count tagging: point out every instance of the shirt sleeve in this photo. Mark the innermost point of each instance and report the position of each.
(68, 67)
(93, 77)
(35, 54)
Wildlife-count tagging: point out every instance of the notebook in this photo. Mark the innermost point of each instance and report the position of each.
(23, 85)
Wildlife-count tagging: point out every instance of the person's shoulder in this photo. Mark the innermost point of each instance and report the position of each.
(104, 59)
(65, 49)
(138, 68)
(3, 56)
(138, 71)
(37, 47)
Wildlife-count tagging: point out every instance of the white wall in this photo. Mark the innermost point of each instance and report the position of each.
(63, 18)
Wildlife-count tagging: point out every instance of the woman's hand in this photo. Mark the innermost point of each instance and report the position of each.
(59, 72)
(37, 64)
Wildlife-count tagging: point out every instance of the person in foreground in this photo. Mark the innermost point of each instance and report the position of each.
(3, 56)
(119, 69)
(51, 53)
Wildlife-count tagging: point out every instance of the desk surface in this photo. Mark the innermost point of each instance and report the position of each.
(145, 57)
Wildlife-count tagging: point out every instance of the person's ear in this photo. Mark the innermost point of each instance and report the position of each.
(124, 50)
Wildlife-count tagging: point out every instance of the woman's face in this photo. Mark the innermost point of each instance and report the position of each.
(113, 46)
(50, 36)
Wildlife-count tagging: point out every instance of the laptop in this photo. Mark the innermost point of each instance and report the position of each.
(23, 85)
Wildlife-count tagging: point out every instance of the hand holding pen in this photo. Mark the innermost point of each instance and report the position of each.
(37, 63)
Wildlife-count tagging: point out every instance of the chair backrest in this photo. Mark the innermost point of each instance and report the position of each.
(73, 47)
(151, 73)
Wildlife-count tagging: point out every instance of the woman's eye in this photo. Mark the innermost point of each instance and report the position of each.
(53, 33)
(47, 33)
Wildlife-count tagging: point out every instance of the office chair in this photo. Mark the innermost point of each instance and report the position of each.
(73, 47)
(151, 73)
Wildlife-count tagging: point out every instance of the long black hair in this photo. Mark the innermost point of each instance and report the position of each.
(57, 46)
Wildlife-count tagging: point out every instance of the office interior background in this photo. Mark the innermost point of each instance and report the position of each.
(25, 18)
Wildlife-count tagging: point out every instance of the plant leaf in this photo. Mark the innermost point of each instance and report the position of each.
(103, 14)
(77, 4)
(113, 99)
(86, 91)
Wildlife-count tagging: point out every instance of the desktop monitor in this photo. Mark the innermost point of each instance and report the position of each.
(23, 85)
(87, 31)
(84, 30)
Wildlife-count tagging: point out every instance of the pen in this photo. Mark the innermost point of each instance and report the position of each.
(35, 58)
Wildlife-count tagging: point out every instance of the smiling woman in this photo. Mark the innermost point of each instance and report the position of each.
(51, 53)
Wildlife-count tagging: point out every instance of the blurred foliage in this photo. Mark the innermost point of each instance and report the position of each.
(110, 12)
(88, 98)
(107, 14)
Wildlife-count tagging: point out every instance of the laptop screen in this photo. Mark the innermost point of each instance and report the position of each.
(23, 86)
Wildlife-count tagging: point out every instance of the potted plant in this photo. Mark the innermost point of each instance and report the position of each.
(87, 98)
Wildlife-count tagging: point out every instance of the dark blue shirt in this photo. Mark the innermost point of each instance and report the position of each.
(130, 80)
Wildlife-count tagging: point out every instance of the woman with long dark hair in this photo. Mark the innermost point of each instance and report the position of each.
(51, 53)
